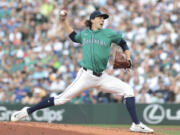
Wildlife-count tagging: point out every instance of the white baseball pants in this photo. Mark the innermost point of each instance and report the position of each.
(86, 80)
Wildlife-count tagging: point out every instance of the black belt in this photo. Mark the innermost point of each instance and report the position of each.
(94, 73)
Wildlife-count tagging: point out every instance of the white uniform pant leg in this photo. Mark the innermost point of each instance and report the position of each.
(82, 82)
(116, 86)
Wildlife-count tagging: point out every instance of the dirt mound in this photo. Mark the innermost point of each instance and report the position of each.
(37, 128)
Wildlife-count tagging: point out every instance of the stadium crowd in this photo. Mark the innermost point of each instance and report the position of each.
(37, 59)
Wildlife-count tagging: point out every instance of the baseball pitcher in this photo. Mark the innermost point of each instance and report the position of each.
(96, 44)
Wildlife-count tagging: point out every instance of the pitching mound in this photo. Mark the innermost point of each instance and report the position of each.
(37, 128)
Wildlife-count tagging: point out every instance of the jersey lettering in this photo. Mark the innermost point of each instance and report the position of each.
(94, 41)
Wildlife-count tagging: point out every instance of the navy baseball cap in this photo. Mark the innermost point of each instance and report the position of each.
(98, 14)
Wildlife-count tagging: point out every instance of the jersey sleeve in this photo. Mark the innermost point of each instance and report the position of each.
(78, 38)
(116, 37)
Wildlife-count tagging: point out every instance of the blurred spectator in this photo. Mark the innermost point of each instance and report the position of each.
(2, 95)
(143, 96)
(177, 89)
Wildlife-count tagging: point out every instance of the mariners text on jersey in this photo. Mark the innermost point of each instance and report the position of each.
(94, 41)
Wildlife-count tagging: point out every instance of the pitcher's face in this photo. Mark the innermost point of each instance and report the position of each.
(97, 22)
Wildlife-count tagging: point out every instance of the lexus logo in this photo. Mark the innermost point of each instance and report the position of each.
(154, 114)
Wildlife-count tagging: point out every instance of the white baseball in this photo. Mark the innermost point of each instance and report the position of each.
(63, 12)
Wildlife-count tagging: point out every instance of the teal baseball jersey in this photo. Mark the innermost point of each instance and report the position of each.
(96, 47)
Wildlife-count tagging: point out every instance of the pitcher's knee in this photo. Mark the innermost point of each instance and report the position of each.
(129, 92)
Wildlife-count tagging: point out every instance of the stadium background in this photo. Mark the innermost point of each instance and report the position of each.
(37, 59)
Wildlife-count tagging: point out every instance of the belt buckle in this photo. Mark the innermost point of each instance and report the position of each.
(92, 72)
(85, 68)
(97, 74)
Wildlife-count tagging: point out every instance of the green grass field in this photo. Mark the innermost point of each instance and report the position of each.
(168, 130)
(159, 129)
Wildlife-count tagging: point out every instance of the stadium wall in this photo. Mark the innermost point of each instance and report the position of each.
(162, 114)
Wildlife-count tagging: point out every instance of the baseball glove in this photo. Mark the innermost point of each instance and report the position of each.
(121, 62)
